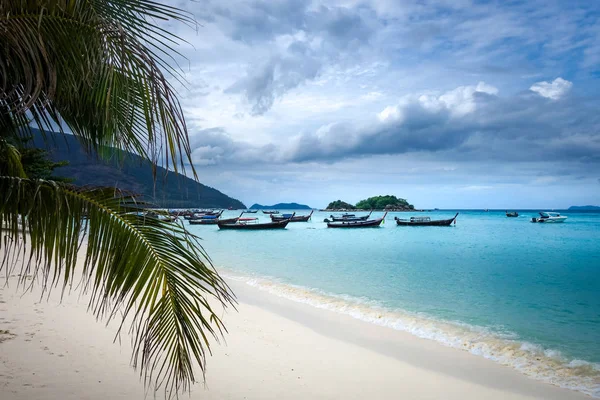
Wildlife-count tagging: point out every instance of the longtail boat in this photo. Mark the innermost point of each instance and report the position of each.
(214, 220)
(347, 218)
(292, 217)
(251, 211)
(253, 224)
(248, 225)
(206, 220)
(371, 223)
(197, 217)
(159, 216)
(270, 212)
(425, 221)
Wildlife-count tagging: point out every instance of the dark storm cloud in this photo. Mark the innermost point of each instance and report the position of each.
(526, 127)
(328, 33)
(214, 146)
(264, 83)
(258, 21)
(465, 125)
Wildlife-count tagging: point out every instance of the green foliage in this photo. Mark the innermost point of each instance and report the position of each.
(97, 67)
(153, 271)
(381, 202)
(10, 160)
(37, 165)
(134, 174)
(340, 205)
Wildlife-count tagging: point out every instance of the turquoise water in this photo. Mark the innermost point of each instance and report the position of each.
(525, 295)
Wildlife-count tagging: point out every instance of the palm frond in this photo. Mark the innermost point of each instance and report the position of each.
(10, 160)
(96, 67)
(155, 273)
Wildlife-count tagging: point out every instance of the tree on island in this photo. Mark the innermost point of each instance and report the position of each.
(340, 205)
(373, 203)
(383, 202)
(96, 68)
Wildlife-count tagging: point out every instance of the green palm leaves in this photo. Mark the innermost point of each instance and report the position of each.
(153, 271)
(97, 67)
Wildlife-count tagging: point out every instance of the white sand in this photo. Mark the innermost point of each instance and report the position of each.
(276, 349)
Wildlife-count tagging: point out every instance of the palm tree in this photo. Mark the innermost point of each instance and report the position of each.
(100, 69)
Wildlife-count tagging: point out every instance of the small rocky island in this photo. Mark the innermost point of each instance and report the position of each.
(383, 203)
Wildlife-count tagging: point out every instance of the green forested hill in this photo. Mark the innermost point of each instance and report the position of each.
(387, 202)
(135, 175)
(383, 202)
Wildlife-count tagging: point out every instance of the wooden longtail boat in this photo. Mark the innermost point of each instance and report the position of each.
(291, 217)
(197, 216)
(251, 224)
(246, 225)
(215, 221)
(371, 223)
(251, 211)
(212, 220)
(159, 216)
(425, 221)
(205, 217)
(347, 218)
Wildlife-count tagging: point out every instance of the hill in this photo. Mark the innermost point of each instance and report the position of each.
(388, 202)
(170, 190)
(340, 205)
(281, 206)
(584, 208)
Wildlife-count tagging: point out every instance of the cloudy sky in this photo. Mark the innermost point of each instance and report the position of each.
(448, 103)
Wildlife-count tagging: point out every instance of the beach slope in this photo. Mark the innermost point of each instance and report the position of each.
(275, 349)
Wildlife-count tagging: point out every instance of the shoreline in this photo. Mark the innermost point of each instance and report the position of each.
(276, 348)
(504, 349)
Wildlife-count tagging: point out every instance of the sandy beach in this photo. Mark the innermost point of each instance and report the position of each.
(276, 349)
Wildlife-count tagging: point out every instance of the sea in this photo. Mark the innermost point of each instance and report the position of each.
(526, 295)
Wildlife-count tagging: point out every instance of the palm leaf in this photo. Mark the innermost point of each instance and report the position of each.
(96, 68)
(155, 272)
(10, 160)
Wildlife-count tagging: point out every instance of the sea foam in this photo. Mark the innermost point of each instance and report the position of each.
(504, 347)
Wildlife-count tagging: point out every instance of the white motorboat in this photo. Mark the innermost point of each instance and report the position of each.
(549, 217)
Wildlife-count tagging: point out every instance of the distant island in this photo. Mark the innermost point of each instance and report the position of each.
(132, 174)
(584, 208)
(388, 202)
(281, 206)
(340, 205)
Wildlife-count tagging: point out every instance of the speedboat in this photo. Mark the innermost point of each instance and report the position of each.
(549, 217)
